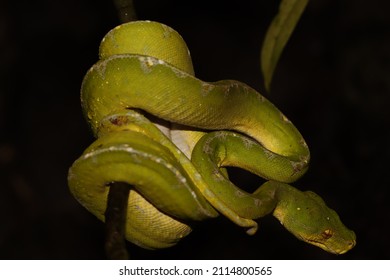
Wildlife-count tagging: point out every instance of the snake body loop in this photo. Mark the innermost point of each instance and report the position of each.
(170, 135)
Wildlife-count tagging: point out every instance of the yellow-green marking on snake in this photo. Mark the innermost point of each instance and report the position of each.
(169, 136)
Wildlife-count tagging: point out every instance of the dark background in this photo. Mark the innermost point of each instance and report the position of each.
(333, 82)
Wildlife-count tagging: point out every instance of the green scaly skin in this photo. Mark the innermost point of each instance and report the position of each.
(153, 121)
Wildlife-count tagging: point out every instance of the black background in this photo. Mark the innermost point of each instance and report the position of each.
(333, 82)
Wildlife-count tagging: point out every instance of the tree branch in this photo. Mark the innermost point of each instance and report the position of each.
(118, 195)
(126, 10)
(115, 217)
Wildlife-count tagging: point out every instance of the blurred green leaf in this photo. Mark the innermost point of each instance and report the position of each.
(278, 34)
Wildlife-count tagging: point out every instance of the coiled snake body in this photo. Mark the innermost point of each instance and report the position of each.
(170, 135)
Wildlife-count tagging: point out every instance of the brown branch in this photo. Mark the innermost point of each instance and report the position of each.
(118, 195)
(115, 217)
(126, 10)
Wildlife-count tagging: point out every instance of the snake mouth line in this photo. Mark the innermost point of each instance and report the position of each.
(337, 251)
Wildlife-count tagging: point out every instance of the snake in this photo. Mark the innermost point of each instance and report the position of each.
(171, 137)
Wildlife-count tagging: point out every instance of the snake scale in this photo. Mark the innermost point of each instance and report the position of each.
(170, 136)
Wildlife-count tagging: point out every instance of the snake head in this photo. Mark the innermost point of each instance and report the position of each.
(306, 215)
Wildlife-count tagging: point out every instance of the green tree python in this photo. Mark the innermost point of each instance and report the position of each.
(170, 136)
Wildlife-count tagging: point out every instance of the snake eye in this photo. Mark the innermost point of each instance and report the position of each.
(326, 234)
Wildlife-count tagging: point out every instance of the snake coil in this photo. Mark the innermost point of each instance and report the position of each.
(169, 135)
